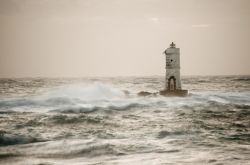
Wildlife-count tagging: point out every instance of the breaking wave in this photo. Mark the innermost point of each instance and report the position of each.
(85, 98)
(80, 98)
(48, 121)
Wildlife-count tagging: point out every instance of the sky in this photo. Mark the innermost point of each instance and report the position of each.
(82, 38)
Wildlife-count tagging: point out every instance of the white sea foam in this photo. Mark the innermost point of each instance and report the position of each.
(99, 96)
(92, 123)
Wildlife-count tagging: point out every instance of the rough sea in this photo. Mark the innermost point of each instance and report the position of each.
(93, 121)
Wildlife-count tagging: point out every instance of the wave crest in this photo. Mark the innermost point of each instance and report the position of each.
(86, 98)
(8, 139)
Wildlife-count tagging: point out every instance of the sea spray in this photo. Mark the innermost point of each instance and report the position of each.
(76, 121)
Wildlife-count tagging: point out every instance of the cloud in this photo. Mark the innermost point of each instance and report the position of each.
(154, 19)
(201, 25)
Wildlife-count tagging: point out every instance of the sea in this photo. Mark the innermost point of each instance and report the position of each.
(102, 121)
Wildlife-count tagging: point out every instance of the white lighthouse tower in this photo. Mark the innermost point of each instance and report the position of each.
(173, 79)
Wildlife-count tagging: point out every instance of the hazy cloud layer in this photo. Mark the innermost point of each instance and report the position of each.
(122, 37)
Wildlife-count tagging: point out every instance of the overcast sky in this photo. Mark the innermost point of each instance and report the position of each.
(77, 38)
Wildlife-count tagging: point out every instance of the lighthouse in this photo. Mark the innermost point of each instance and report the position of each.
(172, 77)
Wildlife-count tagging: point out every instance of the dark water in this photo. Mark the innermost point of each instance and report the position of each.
(92, 121)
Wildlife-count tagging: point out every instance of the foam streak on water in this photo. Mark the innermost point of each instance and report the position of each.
(93, 121)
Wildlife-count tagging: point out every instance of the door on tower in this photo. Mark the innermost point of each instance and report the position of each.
(172, 83)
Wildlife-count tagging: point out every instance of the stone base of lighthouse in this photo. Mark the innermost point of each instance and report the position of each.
(177, 92)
